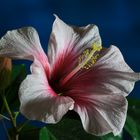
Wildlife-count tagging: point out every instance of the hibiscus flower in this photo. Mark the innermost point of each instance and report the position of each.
(77, 74)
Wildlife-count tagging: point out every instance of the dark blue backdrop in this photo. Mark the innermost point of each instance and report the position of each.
(118, 21)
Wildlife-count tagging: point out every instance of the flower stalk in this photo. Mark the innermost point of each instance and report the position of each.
(12, 118)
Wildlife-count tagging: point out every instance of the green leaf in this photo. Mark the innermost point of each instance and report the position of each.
(133, 121)
(69, 129)
(111, 137)
(17, 70)
(133, 128)
(45, 134)
(34, 133)
(29, 132)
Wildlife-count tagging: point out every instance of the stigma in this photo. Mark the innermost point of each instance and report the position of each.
(85, 61)
(88, 58)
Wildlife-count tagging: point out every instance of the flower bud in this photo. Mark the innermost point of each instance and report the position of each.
(5, 72)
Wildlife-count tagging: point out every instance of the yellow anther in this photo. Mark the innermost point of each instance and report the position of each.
(93, 61)
(86, 52)
(60, 94)
(85, 60)
(96, 47)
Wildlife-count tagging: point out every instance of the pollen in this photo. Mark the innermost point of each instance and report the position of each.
(60, 94)
(89, 57)
(85, 61)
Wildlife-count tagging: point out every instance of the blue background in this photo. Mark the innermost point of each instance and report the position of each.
(118, 22)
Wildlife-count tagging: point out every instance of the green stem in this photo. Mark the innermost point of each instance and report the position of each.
(9, 111)
(2, 116)
(13, 120)
(22, 126)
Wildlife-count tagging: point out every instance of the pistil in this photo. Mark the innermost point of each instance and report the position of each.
(86, 60)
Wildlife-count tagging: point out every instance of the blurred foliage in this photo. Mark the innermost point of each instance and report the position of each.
(11, 92)
(133, 119)
(45, 134)
(30, 132)
(70, 127)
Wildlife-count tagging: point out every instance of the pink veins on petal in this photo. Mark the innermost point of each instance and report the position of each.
(76, 74)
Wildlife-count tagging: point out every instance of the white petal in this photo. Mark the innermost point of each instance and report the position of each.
(69, 40)
(102, 114)
(99, 93)
(114, 73)
(39, 101)
(22, 43)
(109, 74)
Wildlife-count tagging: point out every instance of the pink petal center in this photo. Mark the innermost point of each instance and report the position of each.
(88, 60)
(61, 73)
